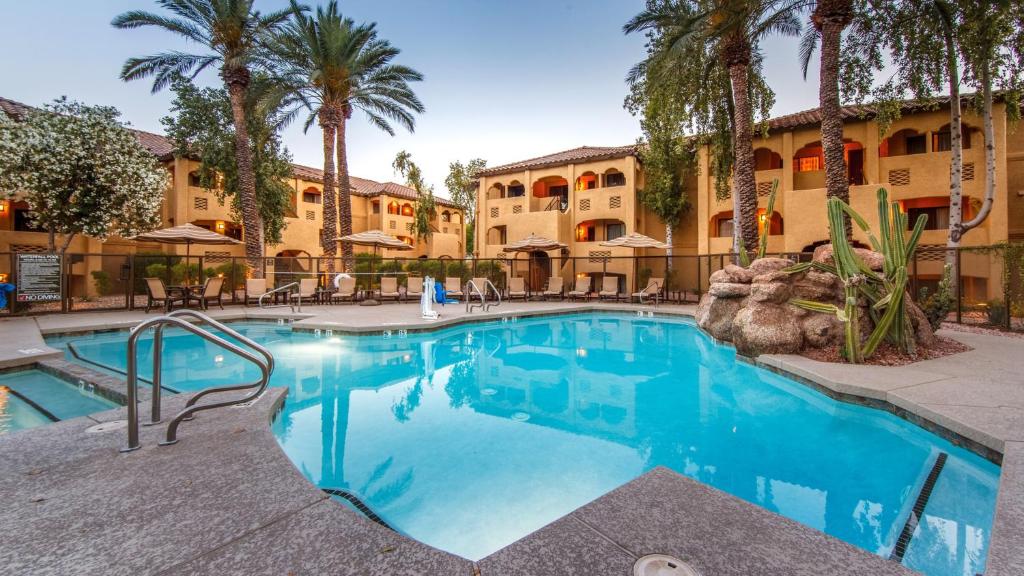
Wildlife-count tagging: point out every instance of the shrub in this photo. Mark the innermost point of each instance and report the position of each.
(101, 279)
(996, 311)
(936, 306)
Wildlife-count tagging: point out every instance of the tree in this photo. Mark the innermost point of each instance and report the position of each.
(424, 210)
(232, 33)
(462, 184)
(81, 172)
(729, 31)
(201, 125)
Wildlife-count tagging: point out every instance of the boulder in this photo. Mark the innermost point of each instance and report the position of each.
(731, 274)
(919, 321)
(777, 292)
(715, 315)
(821, 330)
(762, 328)
(768, 277)
(872, 259)
(765, 265)
(818, 286)
(729, 290)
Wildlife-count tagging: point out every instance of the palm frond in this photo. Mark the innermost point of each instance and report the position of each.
(808, 46)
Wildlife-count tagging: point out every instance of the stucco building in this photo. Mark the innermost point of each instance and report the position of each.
(589, 194)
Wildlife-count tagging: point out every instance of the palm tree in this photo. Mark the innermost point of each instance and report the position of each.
(335, 66)
(232, 32)
(734, 28)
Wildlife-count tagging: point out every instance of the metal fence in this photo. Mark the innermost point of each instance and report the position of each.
(989, 286)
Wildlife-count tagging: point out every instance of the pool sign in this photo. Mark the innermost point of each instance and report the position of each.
(38, 278)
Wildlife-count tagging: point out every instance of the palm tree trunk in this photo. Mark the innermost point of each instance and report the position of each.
(831, 25)
(743, 183)
(252, 223)
(344, 195)
(328, 242)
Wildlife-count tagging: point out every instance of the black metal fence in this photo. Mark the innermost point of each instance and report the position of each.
(989, 286)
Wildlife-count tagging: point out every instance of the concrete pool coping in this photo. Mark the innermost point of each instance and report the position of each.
(938, 391)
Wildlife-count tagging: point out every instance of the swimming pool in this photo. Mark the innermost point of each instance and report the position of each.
(470, 437)
(30, 398)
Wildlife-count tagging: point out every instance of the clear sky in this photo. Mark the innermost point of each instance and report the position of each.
(504, 81)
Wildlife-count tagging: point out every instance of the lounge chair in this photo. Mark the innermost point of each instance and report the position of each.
(481, 284)
(307, 289)
(609, 288)
(453, 287)
(346, 290)
(156, 293)
(389, 289)
(582, 289)
(554, 288)
(414, 288)
(211, 293)
(254, 288)
(652, 290)
(517, 288)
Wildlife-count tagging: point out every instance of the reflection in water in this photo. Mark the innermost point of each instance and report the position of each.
(471, 437)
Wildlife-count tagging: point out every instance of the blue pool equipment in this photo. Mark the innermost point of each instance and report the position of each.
(441, 296)
(5, 289)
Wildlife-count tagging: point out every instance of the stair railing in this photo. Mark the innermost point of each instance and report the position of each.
(471, 287)
(282, 289)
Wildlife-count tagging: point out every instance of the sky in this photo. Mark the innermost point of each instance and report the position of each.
(503, 81)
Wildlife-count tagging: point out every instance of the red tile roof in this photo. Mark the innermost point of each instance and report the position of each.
(581, 154)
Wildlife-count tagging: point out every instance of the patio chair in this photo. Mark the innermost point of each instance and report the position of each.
(156, 293)
(652, 290)
(414, 288)
(582, 289)
(453, 287)
(346, 290)
(554, 288)
(517, 288)
(609, 288)
(211, 293)
(389, 288)
(307, 289)
(254, 288)
(481, 284)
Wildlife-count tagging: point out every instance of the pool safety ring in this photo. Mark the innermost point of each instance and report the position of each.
(662, 565)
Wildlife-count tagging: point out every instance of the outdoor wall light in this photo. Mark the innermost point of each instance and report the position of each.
(220, 225)
(3, 206)
(3, 278)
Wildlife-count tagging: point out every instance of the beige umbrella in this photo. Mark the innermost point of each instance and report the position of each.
(377, 239)
(634, 241)
(187, 234)
(534, 243)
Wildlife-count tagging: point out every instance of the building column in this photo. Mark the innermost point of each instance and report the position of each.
(705, 198)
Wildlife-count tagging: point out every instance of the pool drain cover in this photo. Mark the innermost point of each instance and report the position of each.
(107, 426)
(520, 416)
(662, 565)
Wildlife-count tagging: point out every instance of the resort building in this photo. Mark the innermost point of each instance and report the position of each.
(375, 205)
(583, 196)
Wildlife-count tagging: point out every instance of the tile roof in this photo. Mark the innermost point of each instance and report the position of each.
(163, 148)
(581, 154)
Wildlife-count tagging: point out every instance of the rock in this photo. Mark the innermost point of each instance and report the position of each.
(821, 330)
(872, 259)
(719, 277)
(768, 277)
(919, 321)
(777, 292)
(715, 315)
(729, 290)
(762, 328)
(765, 265)
(818, 286)
(739, 273)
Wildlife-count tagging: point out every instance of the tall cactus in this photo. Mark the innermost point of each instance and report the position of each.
(884, 292)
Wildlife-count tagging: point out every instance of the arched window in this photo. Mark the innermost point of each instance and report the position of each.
(722, 225)
(811, 158)
(942, 140)
(774, 227)
(902, 143)
(613, 177)
(516, 189)
(586, 181)
(446, 216)
(766, 159)
(312, 195)
(194, 179)
(497, 235)
(495, 191)
(406, 209)
(600, 230)
(394, 207)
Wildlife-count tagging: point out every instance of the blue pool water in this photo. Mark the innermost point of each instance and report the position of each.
(25, 392)
(470, 437)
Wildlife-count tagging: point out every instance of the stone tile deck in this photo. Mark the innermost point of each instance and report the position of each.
(226, 500)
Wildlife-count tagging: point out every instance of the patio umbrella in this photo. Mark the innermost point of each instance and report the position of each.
(377, 239)
(534, 243)
(634, 241)
(187, 234)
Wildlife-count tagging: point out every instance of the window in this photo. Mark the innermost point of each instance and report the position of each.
(938, 217)
(516, 190)
(725, 228)
(808, 164)
(942, 141)
(614, 231)
(22, 222)
(585, 233)
(312, 197)
(194, 180)
(446, 216)
(614, 179)
(916, 144)
(393, 207)
(376, 207)
(406, 209)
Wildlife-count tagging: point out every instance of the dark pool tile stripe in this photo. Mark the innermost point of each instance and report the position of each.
(903, 541)
(31, 403)
(360, 505)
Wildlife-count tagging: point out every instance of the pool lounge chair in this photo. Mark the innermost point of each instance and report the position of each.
(211, 293)
(582, 289)
(157, 294)
(609, 289)
(554, 288)
(414, 288)
(389, 289)
(517, 288)
(453, 287)
(481, 284)
(254, 288)
(307, 289)
(652, 290)
(346, 290)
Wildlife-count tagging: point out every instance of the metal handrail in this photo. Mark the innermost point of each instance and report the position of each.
(281, 289)
(469, 299)
(496, 293)
(657, 294)
(133, 385)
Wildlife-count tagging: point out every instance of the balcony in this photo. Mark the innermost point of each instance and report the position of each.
(598, 203)
(916, 175)
(500, 208)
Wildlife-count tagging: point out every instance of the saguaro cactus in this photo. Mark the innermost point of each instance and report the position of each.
(885, 292)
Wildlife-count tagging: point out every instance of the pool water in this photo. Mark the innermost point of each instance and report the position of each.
(469, 438)
(30, 398)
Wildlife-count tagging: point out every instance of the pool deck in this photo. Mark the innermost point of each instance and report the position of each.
(226, 500)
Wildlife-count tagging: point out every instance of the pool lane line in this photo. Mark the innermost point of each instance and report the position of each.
(903, 541)
(31, 403)
(360, 505)
(78, 356)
